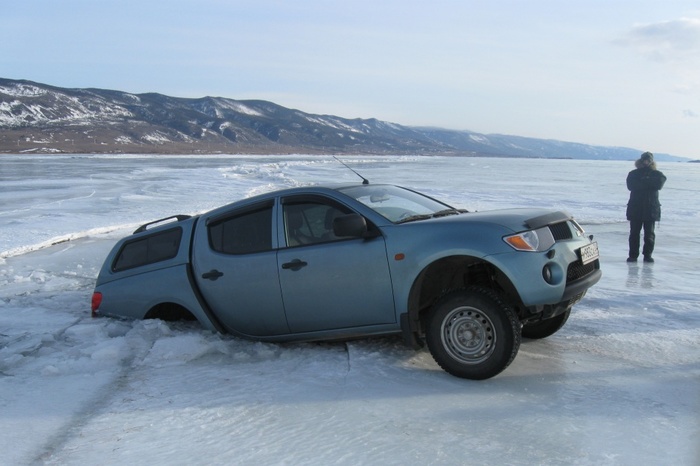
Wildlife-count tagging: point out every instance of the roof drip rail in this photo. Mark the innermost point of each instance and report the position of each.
(145, 226)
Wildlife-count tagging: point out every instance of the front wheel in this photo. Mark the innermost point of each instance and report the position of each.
(472, 334)
(547, 327)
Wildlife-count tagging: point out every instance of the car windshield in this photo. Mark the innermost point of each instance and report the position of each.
(398, 205)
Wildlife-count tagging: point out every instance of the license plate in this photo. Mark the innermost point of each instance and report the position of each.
(589, 253)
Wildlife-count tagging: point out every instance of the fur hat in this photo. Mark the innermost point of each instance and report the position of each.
(645, 160)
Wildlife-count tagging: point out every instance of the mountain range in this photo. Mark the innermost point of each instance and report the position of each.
(40, 118)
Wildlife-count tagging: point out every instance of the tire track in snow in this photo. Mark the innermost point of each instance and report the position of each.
(103, 397)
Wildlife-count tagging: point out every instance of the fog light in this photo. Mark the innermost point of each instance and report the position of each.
(547, 274)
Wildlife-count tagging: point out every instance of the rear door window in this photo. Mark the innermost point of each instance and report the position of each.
(148, 250)
(243, 233)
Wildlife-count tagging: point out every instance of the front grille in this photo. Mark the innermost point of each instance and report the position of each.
(578, 270)
(560, 231)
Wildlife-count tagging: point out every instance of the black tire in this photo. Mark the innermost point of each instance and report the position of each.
(471, 334)
(545, 328)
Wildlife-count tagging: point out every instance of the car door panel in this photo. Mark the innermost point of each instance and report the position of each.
(336, 285)
(236, 270)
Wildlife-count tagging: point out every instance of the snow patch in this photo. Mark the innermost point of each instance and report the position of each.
(156, 137)
(22, 90)
(123, 140)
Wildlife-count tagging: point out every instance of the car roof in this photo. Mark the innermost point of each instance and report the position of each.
(315, 188)
(309, 189)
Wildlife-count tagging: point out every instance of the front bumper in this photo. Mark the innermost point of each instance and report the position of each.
(579, 287)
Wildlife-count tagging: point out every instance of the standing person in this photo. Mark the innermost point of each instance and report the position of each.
(643, 208)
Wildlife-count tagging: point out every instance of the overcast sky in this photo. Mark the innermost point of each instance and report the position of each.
(604, 72)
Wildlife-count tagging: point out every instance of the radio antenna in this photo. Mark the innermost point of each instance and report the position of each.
(364, 180)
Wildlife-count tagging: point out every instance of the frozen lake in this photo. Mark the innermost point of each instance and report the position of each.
(619, 384)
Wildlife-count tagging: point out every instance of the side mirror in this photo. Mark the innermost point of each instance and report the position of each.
(350, 225)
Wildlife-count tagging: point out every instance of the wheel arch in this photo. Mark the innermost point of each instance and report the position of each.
(170, 311)
(450, 273)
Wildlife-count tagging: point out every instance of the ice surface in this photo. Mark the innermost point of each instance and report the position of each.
(618, 385)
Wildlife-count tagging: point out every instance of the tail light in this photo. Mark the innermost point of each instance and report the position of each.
(96, 301)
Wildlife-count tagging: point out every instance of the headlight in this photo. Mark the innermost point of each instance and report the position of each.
(531, 240)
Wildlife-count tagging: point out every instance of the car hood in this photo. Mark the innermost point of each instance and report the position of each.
(512, 219)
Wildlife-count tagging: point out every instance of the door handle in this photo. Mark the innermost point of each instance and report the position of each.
(296, 264)
(212, 275)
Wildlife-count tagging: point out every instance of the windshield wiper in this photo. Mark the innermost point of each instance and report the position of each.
(413, 218)
(444, 213)
(441, 213)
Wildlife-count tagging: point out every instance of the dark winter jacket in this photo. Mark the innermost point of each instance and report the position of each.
(644, 184)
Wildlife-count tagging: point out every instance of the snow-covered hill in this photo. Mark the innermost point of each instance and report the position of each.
(46, 119)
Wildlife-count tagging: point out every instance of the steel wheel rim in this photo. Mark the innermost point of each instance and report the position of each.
(468, 335)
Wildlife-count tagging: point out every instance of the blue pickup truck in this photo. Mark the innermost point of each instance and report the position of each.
(340, 262)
